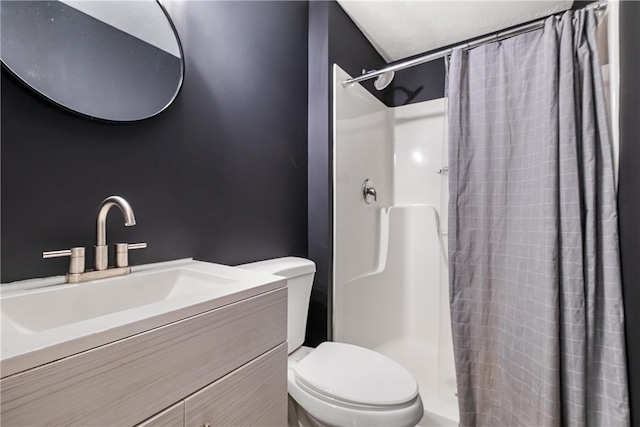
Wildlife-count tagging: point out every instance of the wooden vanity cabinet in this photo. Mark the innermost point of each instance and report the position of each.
(173, 416)
(222, 367)
(253, 395)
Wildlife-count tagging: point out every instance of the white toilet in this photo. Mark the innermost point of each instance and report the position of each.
(338, 384)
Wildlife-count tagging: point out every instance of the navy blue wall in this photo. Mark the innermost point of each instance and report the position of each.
(629, 190)
(319, 183)
(221, 175)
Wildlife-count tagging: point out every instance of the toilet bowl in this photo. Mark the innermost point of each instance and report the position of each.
(338, 384)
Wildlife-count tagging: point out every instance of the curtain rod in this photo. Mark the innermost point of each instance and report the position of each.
(469, 45)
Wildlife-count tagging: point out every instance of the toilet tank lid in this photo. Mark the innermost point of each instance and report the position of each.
(288, 267)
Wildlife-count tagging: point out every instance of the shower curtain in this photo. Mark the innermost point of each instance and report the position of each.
(535, 282)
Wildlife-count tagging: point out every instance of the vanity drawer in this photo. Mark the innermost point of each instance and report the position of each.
(253, 395)
(127, 381)
(170, 417)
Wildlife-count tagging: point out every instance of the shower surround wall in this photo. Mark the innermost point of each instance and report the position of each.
(335, 38)
(390, 271)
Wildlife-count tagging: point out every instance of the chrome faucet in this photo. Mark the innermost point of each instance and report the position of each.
(76, 268)
(102, 255)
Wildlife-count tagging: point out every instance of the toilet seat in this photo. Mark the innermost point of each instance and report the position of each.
(314, 389)
(354, 376)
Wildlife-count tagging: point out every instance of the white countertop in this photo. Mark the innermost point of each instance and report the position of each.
(23, 349)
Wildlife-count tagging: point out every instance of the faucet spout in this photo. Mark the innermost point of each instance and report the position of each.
(102, 260)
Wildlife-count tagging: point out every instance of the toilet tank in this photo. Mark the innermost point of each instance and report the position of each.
(299, 274)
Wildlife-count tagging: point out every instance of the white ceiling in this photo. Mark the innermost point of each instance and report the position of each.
(398, 29)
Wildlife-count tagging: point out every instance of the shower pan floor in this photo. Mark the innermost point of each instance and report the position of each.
(437, 389)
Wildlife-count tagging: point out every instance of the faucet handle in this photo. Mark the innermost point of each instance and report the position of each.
(76, 264)
(122, 252)
(368, 192)
(136, 245)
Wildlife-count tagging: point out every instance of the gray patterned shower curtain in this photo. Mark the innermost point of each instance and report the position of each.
(535, 286)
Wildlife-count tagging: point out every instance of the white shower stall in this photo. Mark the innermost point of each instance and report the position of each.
(390, 274)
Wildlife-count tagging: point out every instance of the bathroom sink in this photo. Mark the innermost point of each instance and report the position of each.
(49, 320)
(51, 308)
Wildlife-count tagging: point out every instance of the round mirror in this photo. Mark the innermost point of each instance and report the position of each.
(107, 59)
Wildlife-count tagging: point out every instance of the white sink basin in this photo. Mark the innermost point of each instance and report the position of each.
(46, 323)
(52, 308)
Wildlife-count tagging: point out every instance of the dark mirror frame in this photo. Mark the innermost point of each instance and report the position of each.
(179, 82)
